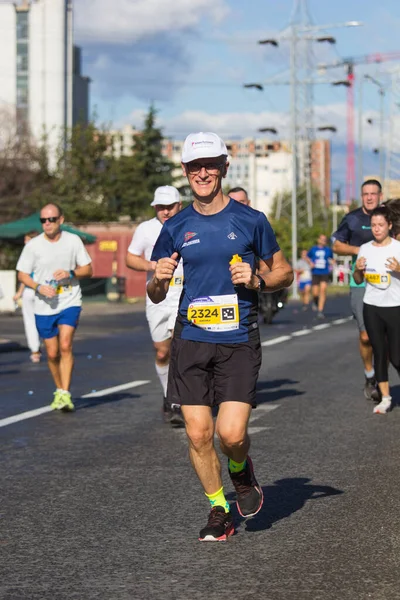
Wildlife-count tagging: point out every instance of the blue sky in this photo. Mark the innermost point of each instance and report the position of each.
(192, 57)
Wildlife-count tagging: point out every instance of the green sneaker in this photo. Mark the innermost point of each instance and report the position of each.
(66, 402)
(57, 401)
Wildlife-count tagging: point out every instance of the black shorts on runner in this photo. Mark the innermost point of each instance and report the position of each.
(317, 279)
(207, 374)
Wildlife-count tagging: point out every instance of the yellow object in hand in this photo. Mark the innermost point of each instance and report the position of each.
(235, 259)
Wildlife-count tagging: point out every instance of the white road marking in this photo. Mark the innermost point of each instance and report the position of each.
(301, 332)
(260, 410)
(321, 326)
(340, 321)
(45, 409)
(252, 430)
(116, 388)
(278, 340)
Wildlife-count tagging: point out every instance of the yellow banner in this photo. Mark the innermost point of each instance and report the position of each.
(108, 246)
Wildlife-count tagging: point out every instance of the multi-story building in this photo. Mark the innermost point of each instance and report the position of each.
(40, 77)
(264, 167)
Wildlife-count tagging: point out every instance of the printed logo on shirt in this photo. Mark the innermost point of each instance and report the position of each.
(190, 243)
(232, 236)
(189, 235)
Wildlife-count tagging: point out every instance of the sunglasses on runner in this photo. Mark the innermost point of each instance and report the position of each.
(211, 168)
(49, 219)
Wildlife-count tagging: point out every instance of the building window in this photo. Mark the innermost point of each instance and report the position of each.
(22, 71)
(22, 25)
(22, 57)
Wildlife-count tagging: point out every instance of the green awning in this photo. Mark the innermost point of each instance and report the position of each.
(17, 229)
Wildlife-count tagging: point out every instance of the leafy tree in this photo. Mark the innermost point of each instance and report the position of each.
(306, 236)
(150, 168)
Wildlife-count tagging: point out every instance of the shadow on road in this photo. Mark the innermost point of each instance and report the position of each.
(267, 392)
(82, 403)
(284, 498)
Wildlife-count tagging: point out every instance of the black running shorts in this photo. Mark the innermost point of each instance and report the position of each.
(317, 279)
(207, 374)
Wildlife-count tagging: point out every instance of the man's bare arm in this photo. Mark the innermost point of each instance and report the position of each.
(85, 271)
(158, 286)
(138, 263)
(27, 280)
(344, 249)
(279, 274)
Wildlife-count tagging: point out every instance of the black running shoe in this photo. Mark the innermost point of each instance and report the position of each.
(249, 495)
(371, 390)
(219, 526)
(167, 413)
(176, 417)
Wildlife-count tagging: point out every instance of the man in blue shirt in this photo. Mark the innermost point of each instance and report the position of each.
(216, 351)
(321, 258)
(355, 230)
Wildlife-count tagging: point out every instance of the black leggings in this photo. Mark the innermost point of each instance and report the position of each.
(383, 328)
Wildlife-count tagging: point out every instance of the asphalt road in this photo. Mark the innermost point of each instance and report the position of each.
(103, 503)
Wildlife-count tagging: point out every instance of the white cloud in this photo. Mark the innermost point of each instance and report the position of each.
(132, 20)
(246, 124)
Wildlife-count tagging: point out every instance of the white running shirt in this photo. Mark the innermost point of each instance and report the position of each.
(382, 285)
(142, 243)
(42, 258)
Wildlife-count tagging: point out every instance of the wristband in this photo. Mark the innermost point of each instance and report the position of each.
(261, 283)
(37, 288)
(72, 274)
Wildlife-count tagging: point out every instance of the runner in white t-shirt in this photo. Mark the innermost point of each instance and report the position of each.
(378, 263)
(51, 264)
(161, 317)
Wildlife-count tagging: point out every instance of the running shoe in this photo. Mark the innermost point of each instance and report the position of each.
(371, 390)
(320, 315)
(67, 404)
(219, 526)
(249, 495)
(383, 407)
(172, 414)
(57, 403)
(176, 417)
(167, 413)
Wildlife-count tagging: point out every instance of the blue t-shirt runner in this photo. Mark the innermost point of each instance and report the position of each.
(320, 257)
(211, 308)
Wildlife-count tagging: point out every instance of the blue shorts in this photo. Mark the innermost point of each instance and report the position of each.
(302, 284)
(47, 325)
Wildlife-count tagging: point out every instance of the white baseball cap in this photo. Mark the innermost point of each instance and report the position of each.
(202, 145)
(166, 195)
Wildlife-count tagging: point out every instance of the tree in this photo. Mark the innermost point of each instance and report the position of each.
(306, 236)
(150, 168)
(22, 169)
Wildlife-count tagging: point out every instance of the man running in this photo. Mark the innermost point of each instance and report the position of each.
(240, 195)
(216, 351)
(355, 230)
(321, 259)
(161, 317)
(57, 260)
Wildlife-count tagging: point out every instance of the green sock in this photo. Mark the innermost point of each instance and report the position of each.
(218, 499)
(235, 467)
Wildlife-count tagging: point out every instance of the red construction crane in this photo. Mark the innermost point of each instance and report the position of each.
(349, 82)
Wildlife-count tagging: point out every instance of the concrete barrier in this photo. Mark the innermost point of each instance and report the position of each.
(8, 282)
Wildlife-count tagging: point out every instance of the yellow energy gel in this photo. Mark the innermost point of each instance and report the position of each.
(235, 259)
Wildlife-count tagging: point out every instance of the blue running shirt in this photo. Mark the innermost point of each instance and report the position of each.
(207, 243)
(320, 258)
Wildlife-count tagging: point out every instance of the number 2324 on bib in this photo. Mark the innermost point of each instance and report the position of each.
(215, 313)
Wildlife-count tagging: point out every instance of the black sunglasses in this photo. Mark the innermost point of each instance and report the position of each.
(49, 219)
